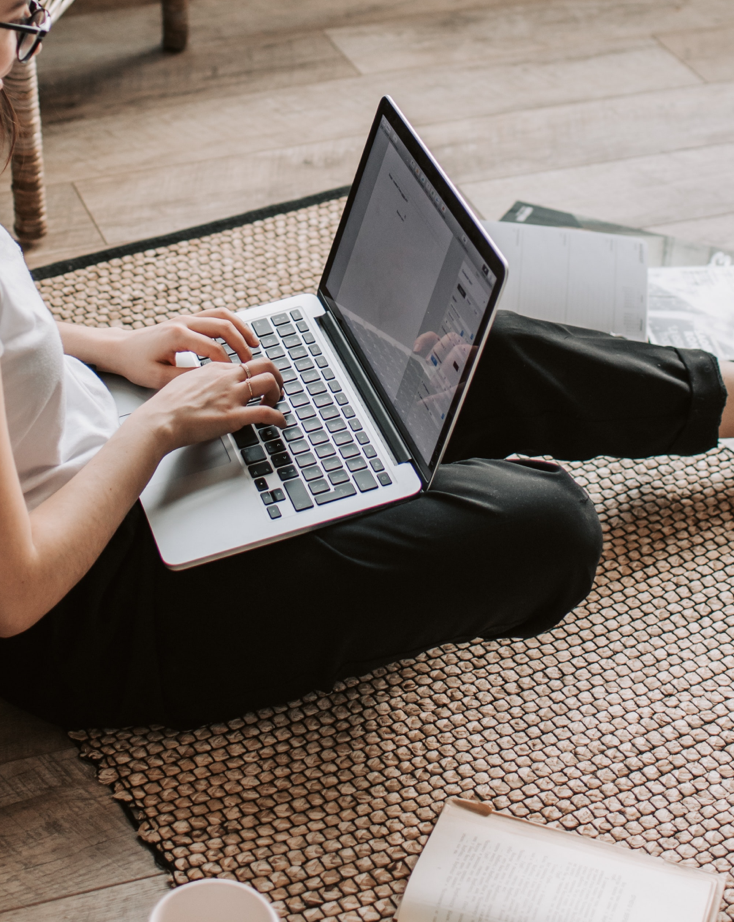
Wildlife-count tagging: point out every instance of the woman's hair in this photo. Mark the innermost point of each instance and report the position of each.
(8, 127)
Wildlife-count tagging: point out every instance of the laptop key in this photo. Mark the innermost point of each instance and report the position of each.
(309, 339)
(308, 377)
(306, 460)
(341, 399)
(261, 328)
(280, 364)
(290, 435)
(369, 451)
(260, 470)
(253, 454)
(335, 425)
(377, 465)
(349, 451)
(362, 438)
(325, 450)
(274, 446)
(365, 481)
(318, 387)
(318, 486)
(321, 361)
(356, 464)
(287, 473)
(306, 412)
(293, 387)
(281, 459)
(348, 412)
(323, 400)
(303, 364)
(298, 447)
(286, 329)
(302, 326)
(299, 400)
(276, 352)
(318, 437)
(355, 425)
(278, 495)
(384, 479)
(329, 412)
(266, 498)
(340, 492)
(328, 374)
(310, 425)
(290, 341)
(278, 319)
(261, 484)
(245, 437)
(296, 315)
(274, 512)
(342, 438)
(267, 342)
(298, 495)
(331, 464)
(339, 476)
(314, 350)
(299, 352)
(334, 387)
(290, 420)
(312, 473)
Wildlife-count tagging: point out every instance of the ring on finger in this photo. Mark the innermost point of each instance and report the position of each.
(249, 386)
(247, 371)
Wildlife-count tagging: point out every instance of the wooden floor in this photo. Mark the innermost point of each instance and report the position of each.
(618, 109)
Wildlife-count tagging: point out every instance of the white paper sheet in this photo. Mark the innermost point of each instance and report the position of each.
(693, 307)
(499, 869)
(598, 281)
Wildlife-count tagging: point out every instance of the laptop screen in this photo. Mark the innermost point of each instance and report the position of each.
(411, 285)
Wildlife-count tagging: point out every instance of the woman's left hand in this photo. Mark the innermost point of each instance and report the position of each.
(148, 356)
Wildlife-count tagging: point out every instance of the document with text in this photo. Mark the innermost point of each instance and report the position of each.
(481, 866)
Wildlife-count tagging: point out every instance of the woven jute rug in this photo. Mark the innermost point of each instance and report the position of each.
(618, 724)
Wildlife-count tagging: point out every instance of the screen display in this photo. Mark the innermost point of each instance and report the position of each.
(411, 287)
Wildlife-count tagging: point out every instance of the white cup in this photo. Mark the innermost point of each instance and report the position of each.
(214, 901)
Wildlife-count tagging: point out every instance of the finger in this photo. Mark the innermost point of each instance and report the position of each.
(264, 386)
(263, 366)
(218, 328)
(425, 343)
(236, 319)
(189, 340)
(263, 414)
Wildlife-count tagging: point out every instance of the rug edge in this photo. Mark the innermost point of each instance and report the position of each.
(190, 233)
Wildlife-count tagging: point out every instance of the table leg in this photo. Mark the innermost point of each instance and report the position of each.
(175, 24)
(29, 193)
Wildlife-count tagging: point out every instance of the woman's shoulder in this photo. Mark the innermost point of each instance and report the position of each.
(9, 249)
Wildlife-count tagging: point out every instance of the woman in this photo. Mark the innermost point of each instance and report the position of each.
(94, 630)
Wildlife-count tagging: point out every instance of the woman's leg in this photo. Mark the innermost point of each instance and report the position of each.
(495, 549)
(544, 388)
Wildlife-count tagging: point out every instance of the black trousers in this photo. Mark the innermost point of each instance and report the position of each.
(497, 548)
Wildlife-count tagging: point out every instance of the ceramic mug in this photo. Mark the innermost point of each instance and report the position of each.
(214, 900)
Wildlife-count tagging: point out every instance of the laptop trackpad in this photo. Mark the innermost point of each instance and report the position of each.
(197, 458)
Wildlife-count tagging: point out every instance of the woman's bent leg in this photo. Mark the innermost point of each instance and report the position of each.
(495, 549)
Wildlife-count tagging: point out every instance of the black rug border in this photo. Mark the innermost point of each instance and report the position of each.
(190, 233)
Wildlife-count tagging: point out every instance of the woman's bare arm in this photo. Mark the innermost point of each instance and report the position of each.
(46, 552)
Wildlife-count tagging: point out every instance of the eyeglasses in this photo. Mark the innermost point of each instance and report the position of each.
(31, 31)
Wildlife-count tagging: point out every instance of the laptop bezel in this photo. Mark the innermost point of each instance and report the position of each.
(475, 233)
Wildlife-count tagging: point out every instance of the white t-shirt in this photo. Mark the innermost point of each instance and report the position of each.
(59, 412)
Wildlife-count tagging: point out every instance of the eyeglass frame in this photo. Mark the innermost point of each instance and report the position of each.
(24, 29)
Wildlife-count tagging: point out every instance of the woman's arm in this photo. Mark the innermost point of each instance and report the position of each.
(148, 356)
(45, 553)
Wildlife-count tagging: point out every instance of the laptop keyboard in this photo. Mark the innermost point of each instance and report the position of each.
(323, 455)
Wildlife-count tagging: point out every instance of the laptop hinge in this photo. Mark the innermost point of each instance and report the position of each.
(364, 386)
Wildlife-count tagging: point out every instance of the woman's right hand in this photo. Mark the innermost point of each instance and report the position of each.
(210, 401)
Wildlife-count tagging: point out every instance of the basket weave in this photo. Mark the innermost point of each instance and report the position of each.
(617, 724)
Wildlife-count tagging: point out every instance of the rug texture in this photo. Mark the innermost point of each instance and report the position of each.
(618, 724)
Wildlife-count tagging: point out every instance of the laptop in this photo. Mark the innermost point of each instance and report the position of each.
(375, 365)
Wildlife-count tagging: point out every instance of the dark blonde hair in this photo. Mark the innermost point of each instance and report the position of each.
(8, 127)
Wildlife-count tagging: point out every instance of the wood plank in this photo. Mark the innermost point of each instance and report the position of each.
(640, 192)
(717, 230)
(131, 902)
(61, 833)
(201, 128)
(22, 735)
(515, 32)
(96, 62)
(71, 230)
(708, 52)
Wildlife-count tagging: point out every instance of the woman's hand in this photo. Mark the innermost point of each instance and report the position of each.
(208, 402)
(148, 356)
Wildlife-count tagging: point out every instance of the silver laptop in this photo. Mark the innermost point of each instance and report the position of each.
(376, 366)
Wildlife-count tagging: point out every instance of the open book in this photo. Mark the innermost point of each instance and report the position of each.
(481, 866)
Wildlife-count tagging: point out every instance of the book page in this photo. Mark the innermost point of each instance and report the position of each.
(597, 281)
(499, 869)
